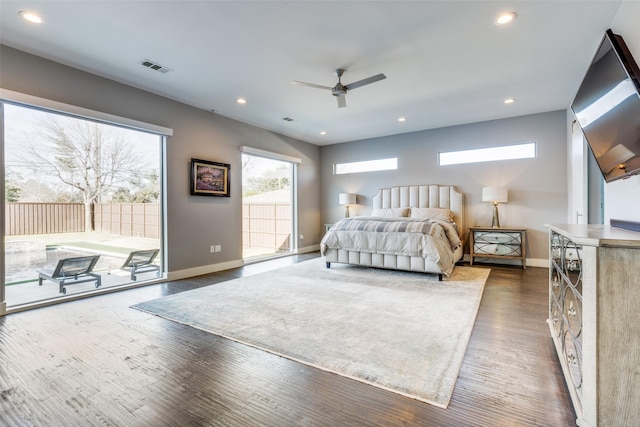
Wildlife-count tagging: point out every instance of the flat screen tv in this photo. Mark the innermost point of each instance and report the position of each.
(607, 107)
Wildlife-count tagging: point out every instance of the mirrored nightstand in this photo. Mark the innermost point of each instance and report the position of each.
(502, 242)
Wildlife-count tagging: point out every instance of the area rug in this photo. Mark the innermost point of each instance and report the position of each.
(404, 332)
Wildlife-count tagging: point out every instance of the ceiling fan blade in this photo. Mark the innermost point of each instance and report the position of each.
(295, 82)
(342, 101)
(366, 81)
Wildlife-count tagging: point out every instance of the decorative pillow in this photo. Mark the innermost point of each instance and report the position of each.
(432, 213)
(391, 212)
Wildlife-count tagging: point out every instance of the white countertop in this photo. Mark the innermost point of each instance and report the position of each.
(598, 235)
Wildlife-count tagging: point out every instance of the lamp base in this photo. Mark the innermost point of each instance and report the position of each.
(346, 212)
(496, 219)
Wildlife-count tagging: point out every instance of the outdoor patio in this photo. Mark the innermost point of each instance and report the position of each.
(29, 254)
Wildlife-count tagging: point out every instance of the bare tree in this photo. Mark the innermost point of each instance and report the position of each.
(87, 156)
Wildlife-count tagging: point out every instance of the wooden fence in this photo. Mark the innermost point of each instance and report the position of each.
(126, 219)
(266, 226)
(43, 218)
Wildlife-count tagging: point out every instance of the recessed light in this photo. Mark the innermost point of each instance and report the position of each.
(323, 133)
(402, 119)
(505, 18)
(30, 16)
(509, 100)
(241, 101)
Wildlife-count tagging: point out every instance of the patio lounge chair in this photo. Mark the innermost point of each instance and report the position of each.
(70, 271)
(141, 262)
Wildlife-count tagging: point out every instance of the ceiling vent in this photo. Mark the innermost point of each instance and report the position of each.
(155, 66)
(287, 119)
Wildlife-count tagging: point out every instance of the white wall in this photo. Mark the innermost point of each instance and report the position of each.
(194, 222)
(537, 187)
(622, 198)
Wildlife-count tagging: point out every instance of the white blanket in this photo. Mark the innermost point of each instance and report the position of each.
(430, 239)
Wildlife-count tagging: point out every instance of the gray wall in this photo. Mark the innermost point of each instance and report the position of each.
(194, 222)
(537, 187)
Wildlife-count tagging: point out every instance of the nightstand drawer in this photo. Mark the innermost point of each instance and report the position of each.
(497, 249)
(507, 243)
(493, 237)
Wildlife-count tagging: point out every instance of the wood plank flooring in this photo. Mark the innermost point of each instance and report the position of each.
(98, 362)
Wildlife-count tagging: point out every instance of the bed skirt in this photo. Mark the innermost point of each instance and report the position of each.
(390, 262)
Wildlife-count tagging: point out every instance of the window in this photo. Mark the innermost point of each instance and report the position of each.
(269, 213)
(366, 166)
(505, 152)
(78, 183)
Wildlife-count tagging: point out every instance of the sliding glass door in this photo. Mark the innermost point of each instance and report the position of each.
(268, 207)
(77, 188)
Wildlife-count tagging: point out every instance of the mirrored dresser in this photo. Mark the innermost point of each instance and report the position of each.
(594, 320)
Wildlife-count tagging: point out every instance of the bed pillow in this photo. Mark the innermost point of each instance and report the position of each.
(432, 213)
(391, 212)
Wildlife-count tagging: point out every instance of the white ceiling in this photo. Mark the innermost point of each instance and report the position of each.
(446, 62)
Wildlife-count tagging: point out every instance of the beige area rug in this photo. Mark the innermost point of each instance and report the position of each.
(404, 332)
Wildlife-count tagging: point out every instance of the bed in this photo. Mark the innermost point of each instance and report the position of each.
(412, 228)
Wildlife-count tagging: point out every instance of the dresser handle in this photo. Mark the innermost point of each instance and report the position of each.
(571, 311)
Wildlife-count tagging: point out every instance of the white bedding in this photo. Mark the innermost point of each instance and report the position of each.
(434, 240)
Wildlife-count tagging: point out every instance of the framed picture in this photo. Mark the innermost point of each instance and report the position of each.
(209, 178)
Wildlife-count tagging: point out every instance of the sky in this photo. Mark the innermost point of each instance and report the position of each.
(20, 124)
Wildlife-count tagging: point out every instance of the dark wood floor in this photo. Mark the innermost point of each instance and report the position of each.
(98, 362)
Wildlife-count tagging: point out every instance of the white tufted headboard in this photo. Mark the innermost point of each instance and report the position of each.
(423, 196)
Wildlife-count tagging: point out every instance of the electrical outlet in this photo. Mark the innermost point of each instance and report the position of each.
(302, 237)
(218, 248)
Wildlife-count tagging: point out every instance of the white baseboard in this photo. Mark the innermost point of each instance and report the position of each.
(531, 262)
(213, 268)
(205, 269)
(537, 262)
(307, 249)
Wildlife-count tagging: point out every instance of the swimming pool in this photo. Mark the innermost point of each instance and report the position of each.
(23, 266)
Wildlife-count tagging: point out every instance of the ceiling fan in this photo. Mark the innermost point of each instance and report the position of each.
(340, 90)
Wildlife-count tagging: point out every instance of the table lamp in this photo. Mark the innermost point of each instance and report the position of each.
(346, 199)
(495, 195)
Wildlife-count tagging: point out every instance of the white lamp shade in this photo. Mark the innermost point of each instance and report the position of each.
(346, 198)
(495, 194)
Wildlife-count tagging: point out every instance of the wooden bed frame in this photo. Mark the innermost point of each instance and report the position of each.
(420, 196)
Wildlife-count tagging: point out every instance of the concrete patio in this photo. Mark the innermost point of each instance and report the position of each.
(112, 248)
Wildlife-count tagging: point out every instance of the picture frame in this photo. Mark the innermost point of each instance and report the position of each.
(209, 178)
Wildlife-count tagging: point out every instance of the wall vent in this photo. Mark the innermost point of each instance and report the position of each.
(155, 66)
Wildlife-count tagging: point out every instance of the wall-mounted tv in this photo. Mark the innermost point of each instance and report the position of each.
(607, 107)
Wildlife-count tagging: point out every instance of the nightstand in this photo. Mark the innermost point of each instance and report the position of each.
(503, 242)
